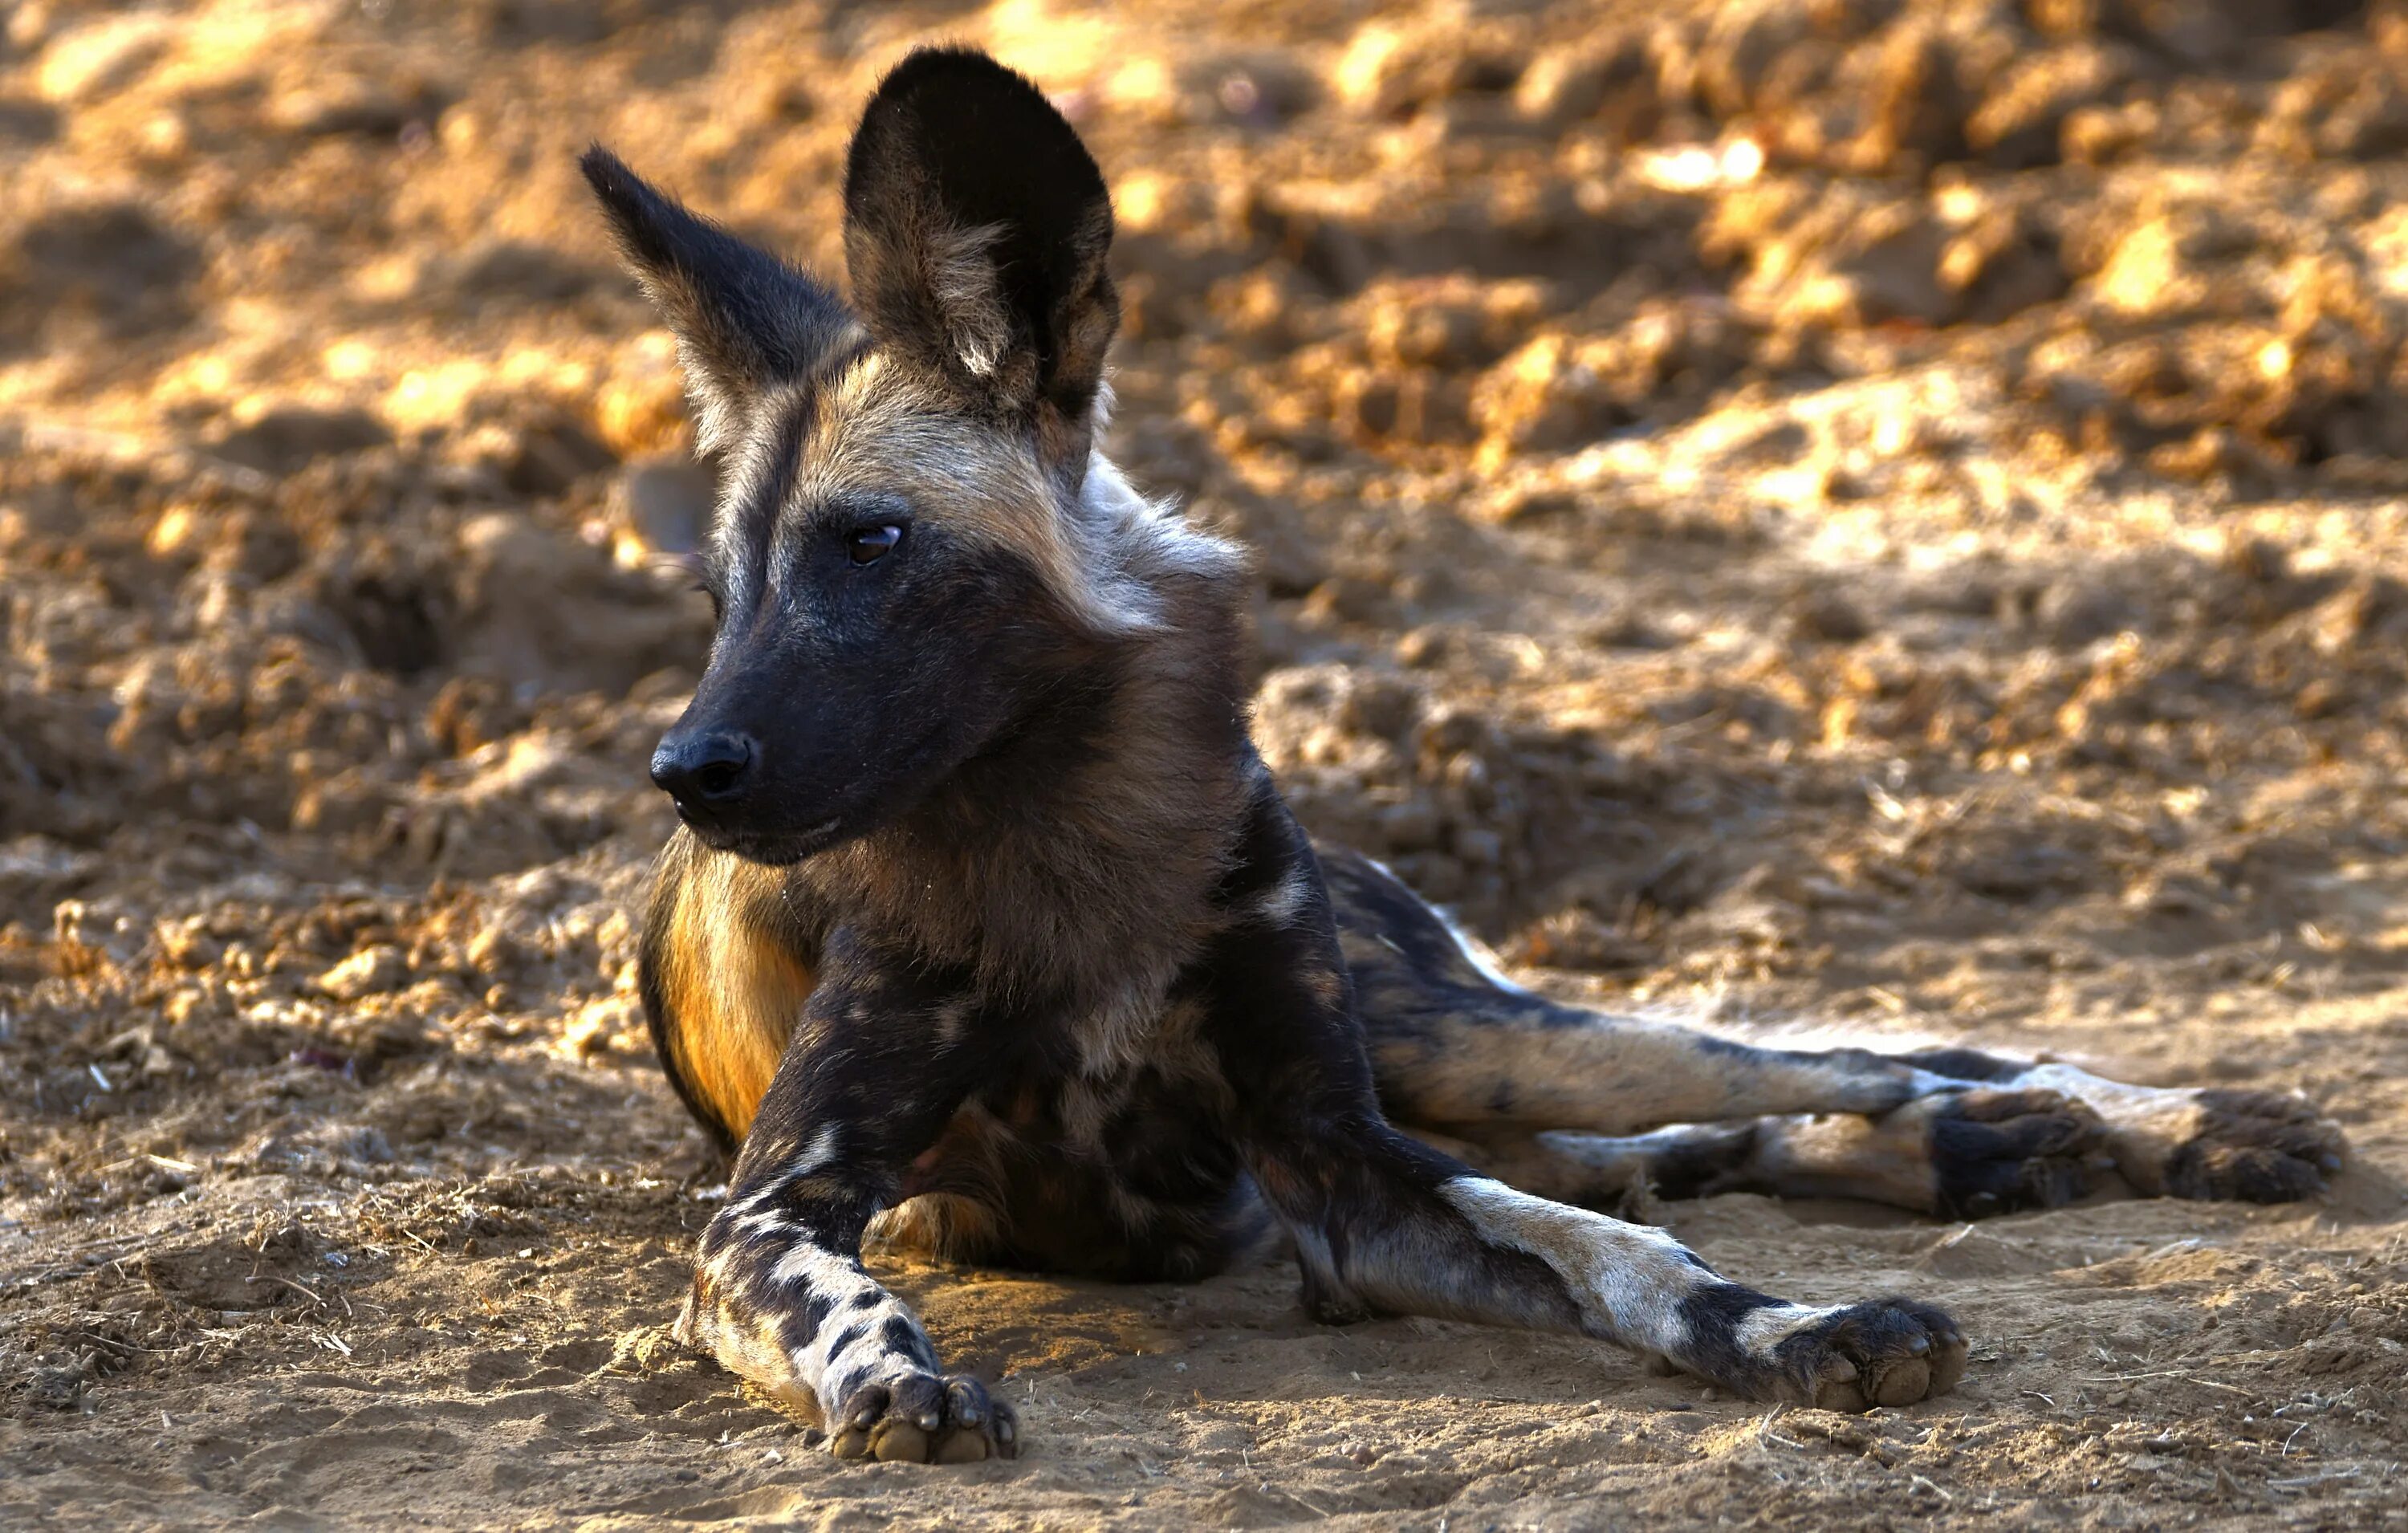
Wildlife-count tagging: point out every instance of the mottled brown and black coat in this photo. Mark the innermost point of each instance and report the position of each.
(989, 931)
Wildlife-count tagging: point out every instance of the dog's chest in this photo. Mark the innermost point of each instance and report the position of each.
(1135, 1069)
(1128, 1095)
(1129, 1026)
(1099, 1141)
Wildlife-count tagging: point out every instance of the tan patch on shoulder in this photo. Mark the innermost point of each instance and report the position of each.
(732, 989)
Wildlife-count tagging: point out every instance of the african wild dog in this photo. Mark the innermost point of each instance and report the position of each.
(987, 929)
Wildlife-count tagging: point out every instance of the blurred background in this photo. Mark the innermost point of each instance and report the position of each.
(1889, 510)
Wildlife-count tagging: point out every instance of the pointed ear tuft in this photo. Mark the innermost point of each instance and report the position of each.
(744, 320)
(976, 228)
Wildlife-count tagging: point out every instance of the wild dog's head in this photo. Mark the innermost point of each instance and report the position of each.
(914, 544)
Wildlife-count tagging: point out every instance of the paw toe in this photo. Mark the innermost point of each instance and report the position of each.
(849, 1442)
(976, 1426)
(1841, 1388)
(1903, 1383)
(961, 1448)
(1948, 1355)
(855, 1424)
(893, 1442)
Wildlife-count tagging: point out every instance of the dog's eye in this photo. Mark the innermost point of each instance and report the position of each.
(698, 578)
(871, 543)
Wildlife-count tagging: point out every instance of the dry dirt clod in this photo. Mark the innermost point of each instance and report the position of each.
(369, 972)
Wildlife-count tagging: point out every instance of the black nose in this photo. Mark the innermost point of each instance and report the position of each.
(710, 767)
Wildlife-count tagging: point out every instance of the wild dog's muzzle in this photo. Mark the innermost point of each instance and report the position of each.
(709, 772)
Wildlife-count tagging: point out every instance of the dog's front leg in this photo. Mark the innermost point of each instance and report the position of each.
(779, 1292)
(1385, 1224)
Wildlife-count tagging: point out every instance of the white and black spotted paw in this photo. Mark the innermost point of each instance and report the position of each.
(1883, 1351)
(1851, 1357)
(924, 1419)
(2256, 1146)
(1996, 1151)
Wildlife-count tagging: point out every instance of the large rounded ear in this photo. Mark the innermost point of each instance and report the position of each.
(976, 227)
(745, 320)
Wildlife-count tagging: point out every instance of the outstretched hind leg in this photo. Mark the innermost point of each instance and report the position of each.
(1618, 1174)
(1963, 1154)
(2030, 1137)
(1457, 1048)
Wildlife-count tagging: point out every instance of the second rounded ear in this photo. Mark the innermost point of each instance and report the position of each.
(977, 227)
(745, 320)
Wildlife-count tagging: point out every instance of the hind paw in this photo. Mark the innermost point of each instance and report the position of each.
(1998, 1150)
(2256, 1146)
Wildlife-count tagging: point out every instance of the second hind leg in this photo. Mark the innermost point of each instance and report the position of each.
(1601, 1110)
(1961, 1153)
(2031, 1135)
(1559, 1099)
(1456, 1046)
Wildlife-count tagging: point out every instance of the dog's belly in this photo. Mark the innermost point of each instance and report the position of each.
(1132, 1177)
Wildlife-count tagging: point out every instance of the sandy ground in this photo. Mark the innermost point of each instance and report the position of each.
(1878, 511)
